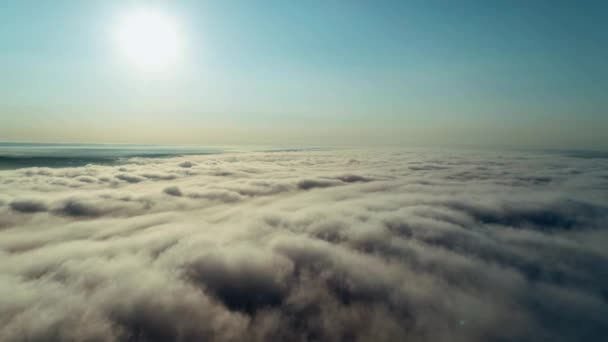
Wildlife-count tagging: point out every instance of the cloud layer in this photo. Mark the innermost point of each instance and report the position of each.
(346, 245)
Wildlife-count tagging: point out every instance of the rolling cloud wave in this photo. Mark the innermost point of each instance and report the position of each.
(347, 245)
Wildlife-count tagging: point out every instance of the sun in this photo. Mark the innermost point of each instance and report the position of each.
(149, 39)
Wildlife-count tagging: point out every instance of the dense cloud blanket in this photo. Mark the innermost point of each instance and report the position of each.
(341, 245)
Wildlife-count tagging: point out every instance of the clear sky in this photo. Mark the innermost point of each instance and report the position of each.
(507, 73)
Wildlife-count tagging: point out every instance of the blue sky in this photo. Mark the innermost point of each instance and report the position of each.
(512, 73)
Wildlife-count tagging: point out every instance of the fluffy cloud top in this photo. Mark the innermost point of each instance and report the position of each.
(348, 245)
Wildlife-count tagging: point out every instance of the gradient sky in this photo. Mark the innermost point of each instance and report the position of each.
(491, 73)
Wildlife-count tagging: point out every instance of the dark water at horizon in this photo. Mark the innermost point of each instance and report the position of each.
(21, 155)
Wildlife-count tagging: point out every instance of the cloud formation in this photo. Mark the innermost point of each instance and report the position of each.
(347, 245)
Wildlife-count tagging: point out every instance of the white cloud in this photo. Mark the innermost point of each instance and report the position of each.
(307, 245)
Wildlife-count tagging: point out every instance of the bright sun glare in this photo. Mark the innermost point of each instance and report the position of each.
(149, 39)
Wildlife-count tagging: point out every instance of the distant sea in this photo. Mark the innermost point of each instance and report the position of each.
(20, 155)
(15, 155)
